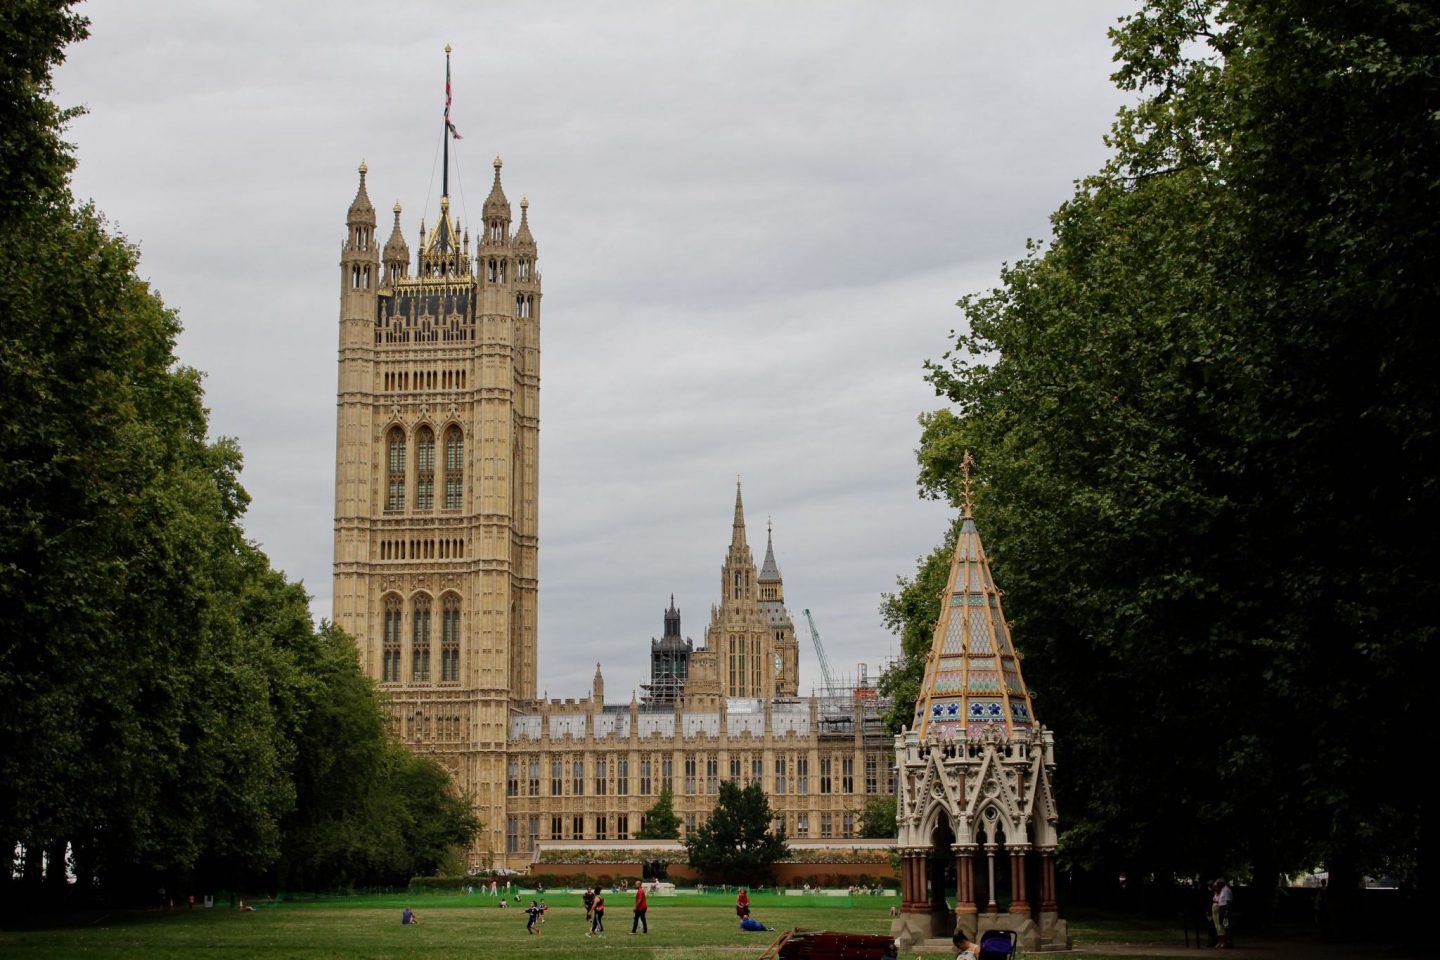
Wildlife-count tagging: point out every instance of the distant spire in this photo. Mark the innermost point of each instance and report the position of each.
(737, 536)
(672, 621)
(769, 570)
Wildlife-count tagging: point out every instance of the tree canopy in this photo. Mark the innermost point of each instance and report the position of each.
(1205, 417)
(740, 842)
(661, 823)
(168, 711)
(877, 818)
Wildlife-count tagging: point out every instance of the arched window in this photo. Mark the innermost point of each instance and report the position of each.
(454, 468)
(395, 481)
(390, 645)
(425, 470)
(420, 641)
(450, 638)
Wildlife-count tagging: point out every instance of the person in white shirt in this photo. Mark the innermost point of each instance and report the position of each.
(1220, 898)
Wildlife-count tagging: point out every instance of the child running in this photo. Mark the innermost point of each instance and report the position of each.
(533, 912)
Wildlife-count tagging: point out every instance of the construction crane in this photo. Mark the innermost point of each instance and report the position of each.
(820, 654)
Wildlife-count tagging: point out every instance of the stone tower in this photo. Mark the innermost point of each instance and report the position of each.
(750, 649)
(436, 483)
(771, 589)
(669, 661)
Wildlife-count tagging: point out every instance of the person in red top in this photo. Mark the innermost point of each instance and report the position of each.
(640, 907)
(597, 923)
(742, 905)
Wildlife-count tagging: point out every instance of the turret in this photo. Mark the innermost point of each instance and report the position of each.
(396, 258)
(497, 212)
(597, 688)
(358, 253)
(526, 254)
(494, 254)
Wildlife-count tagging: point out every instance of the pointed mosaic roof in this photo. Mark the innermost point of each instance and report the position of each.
(972, 675)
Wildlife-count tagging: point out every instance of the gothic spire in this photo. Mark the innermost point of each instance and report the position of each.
(737, 536)
(769, 570)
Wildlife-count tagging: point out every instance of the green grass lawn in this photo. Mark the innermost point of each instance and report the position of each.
(455, 926)
(691, 927)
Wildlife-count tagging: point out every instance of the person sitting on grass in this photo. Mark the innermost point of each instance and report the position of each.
(407, 917)
(968, 949)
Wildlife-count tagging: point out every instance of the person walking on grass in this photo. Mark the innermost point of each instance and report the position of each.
(597, 924)
(640, 907)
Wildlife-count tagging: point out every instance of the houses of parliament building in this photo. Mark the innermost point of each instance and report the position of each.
(436, 543)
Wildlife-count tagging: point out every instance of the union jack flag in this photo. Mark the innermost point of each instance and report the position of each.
(448, 125)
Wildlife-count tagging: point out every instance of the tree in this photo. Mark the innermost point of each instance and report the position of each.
(660, 820)
(877, 818)
(34, 162)
(1205, 418)
(163, 692)
(739, 843)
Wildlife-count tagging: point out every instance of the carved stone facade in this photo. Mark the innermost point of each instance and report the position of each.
(586, 770)
(437, 473)
(436, 538)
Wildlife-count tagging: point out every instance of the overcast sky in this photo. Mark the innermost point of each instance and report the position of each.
(754, 220)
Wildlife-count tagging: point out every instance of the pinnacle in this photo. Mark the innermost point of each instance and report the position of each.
(361, 209)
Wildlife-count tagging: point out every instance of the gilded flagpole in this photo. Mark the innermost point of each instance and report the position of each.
(445, 129)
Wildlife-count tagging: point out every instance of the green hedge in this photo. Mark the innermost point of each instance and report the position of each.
(619, 856)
